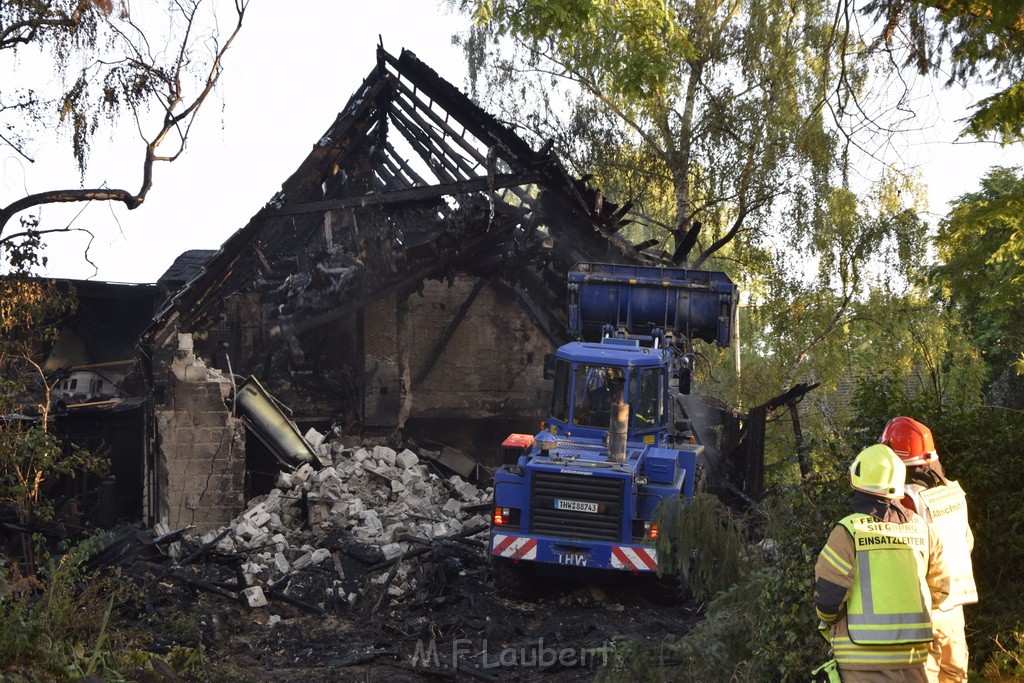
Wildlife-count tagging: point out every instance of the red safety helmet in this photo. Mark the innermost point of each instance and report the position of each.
(911, 440)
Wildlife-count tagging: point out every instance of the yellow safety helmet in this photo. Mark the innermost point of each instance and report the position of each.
(879, 471)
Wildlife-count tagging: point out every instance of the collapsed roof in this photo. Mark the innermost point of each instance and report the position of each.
(411, 181)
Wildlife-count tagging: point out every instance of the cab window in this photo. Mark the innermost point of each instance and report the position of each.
(595, 393)
(646, 393)
(560, 395)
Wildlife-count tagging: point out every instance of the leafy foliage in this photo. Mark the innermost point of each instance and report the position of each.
(978, 446)
(982, 41)
(716, 649)
(700, 542)
(644, 39)
(725, 117)
(981, 244)
(60, 625)
(30, 455)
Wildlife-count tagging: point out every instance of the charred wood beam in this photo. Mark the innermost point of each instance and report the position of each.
(363, 295)
(449, 332)
(791, 395)
(801, 446)
(414, 194)
(388, 178)
(405, 97)
(404, 165)
(428, 147)
(436, 162)
(474, 119)
(753, 472)
(616, 223)
(510, 146)
(439, 139)
(402, 181)
(352, 124)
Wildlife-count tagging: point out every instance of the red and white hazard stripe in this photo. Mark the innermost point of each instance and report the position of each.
(630, 557)
(514, 547)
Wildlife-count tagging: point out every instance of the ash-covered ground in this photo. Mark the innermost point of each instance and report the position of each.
(372, 564)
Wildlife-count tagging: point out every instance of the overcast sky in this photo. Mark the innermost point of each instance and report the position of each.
(292, 69)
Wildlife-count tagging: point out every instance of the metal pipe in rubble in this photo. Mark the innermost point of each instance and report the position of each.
(619, 423)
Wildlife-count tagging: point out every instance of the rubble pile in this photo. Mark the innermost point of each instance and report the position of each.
(376, 497)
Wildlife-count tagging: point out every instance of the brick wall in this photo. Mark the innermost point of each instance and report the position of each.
(200, 464)
(492, 365)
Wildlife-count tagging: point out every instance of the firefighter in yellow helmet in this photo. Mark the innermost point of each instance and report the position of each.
(942, 502)
(878, 576)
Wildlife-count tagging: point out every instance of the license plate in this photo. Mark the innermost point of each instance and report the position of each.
(577, 506)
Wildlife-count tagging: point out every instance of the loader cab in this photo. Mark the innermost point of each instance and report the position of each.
(590, 378)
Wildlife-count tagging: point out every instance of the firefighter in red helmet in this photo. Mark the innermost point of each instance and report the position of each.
(943, 504)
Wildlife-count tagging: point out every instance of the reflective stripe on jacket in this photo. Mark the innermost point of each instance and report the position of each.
(889, 603)
(835, 574)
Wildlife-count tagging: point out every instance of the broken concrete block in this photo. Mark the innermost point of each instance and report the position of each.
(391, 550)
(313, 437)
(254, 509)
(406, 459)
(254, 596)
(281, 562)
(245, 530)
(302, 561)
(452, 507)
(466, 491)
(318, 511)
(397, 486)
(304, 472)
(185, 344)
(327, 473)
(361, 455)
(384, 453)
(319, 555)
(251, 567)
(280, 542)
(274, 620)
(226, 545)
(284, 480)
(478, 520)
(260, 519)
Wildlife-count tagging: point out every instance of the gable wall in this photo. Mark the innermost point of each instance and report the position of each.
(419, 365)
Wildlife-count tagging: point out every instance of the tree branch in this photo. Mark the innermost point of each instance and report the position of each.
(179, 122)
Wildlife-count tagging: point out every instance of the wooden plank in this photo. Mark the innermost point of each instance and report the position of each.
(432, 152)
(410, 195)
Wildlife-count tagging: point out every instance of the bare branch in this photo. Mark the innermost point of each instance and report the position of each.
(177, 118)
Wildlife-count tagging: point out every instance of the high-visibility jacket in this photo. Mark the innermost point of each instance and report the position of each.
(889, 603)
(946, 509)
(874, 620)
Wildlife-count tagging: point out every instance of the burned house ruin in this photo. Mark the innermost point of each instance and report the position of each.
(410, 275)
